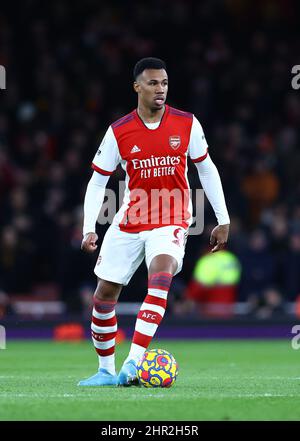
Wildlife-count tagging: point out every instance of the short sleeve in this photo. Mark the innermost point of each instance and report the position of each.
(107, 156)
(197, 148)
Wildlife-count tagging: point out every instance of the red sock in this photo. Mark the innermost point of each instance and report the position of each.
(151, 313)
(104, 331)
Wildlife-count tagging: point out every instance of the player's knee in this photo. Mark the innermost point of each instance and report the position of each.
(163, 263)
(107, 291)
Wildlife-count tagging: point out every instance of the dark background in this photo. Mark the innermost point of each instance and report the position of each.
(69, 75)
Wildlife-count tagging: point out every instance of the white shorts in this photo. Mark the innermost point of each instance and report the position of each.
(122, 253)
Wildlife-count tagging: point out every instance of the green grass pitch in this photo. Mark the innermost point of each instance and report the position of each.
(218, 380)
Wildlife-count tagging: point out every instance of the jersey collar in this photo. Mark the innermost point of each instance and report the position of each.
(162, 121)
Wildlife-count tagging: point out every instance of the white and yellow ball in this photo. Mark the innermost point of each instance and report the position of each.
(157, 368)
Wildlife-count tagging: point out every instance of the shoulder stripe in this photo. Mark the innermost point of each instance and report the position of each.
(180, 113)
(100, 170)
(122, 121)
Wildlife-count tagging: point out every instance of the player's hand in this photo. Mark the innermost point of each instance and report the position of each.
(219, 237)
(89, 242)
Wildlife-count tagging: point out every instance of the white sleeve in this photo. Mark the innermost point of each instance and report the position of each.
(107, 156)
(93, 201)
(212, 186)
(197, 148)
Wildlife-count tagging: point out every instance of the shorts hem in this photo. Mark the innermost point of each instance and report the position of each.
(111, 279)
(177, 257)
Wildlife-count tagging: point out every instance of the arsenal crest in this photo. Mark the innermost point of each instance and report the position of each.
(174, 141)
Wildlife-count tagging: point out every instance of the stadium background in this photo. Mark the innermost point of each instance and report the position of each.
(69, 75)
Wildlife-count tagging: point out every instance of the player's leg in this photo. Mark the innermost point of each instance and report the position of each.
(164, 255)
(104, 331)
(120, 255)
(163, 263)
(160, 273)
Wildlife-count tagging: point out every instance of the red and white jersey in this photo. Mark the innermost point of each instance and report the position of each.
(155, 162)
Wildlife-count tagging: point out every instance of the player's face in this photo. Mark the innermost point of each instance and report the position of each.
(152, 87)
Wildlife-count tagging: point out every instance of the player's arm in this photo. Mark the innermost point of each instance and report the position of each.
(211, 183)
(212, 186)
(92, 204)
(104, 163)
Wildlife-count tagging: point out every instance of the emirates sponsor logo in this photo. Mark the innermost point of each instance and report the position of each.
(175, 141)
(155, 161)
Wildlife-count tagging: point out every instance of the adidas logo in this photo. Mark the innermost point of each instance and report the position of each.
(135, 149)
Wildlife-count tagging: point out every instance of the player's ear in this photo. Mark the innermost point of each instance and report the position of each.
(136, 86)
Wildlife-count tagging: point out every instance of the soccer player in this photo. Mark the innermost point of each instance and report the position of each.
(152, 144)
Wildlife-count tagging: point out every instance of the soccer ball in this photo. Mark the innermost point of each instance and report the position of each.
(157, 368)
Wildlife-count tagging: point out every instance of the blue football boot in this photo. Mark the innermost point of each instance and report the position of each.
(102, 378)
(128, 374)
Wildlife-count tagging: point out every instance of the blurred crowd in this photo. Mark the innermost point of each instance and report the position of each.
(69, 75)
